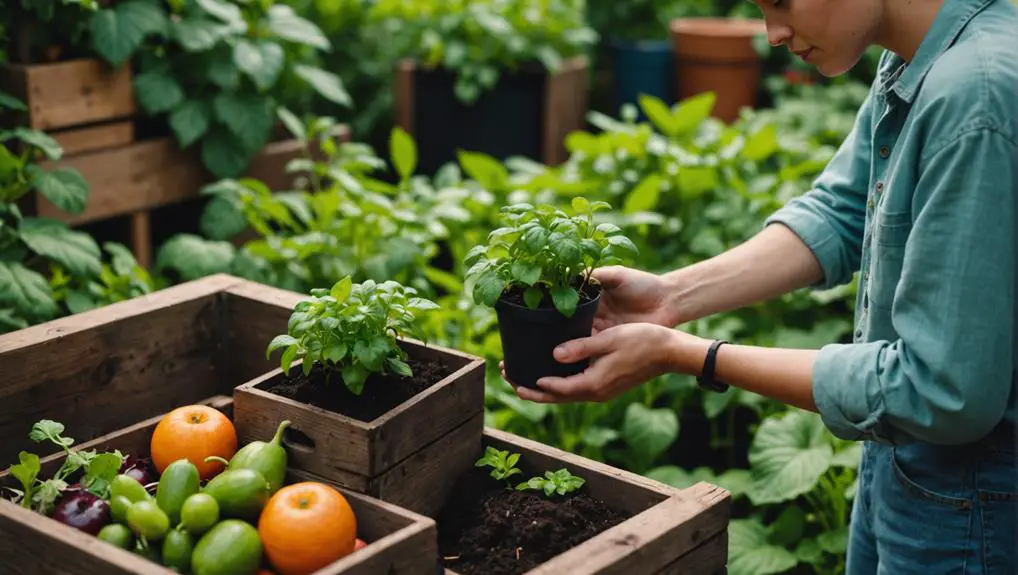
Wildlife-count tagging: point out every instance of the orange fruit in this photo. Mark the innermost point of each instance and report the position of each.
(194, 432)
(306, 526)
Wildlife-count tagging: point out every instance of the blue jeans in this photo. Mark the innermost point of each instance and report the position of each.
(934, 510)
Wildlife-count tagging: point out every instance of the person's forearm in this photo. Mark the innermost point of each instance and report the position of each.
(784, 375)
(771, 264)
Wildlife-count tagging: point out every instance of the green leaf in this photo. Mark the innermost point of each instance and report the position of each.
(12, 103)
(75, 251)
(532, 297)
(292, 123)
(580, 205)
(341, 290)
(278, 342)
(197, 34)
(354, 376)
(788, 455)
(225, 11)
(488, 289)
(157, 92)
(692, 111)
(788, 528)
(223, 155)
(659, 115)
(404, 153)
(761, 144)
(66, 188)
(649, 431)
(286, 360)
(193, 257)
(565, 299)
(526, 272)
(263, 61)
(834, 542)
(248, 116)
(622, 242)
(749, 552)
(117, 32)
(644, 196)
(399, 367)
(327, 84)
(26, 290)
(286, 24)
(100, 474)
(37, 139)
(485, 169)
(222, 219)
(222, 71)
(190, 121)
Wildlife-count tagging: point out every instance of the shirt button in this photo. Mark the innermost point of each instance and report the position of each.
(869, 203)
(884, 152)
(858, 334)
(880, 187)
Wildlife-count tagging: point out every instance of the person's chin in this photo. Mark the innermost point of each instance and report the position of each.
(833, 67)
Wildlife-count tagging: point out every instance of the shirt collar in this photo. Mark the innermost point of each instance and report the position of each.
(904, 80)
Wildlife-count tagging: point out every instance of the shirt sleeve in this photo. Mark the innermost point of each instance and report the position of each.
(830, 218)
(948, 377)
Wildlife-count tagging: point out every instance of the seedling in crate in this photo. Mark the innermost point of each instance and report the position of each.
(353, 329)
(558, 482)
(502, 463)
(535, 271)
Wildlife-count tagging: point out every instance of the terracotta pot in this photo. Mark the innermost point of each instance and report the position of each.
(717, 55)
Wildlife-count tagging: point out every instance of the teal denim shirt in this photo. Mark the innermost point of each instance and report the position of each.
(920, 199)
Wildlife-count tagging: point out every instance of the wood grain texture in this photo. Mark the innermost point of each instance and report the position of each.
(141, 238)
(93, 138)
(104, 369)
(403, 87)
(255, 313)
(710, 558)
(565, 108)
(71, 93)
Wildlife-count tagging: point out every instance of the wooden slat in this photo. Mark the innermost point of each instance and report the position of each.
(104, 369)
(94, 138)
(71, 93)
(141, 238)
(404, 95)
(565, 108)
(255, 314)
(710, 558)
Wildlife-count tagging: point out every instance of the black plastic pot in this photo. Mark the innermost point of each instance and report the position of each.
(529, 337)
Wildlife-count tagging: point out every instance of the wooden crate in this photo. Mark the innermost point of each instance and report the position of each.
(563, 109)
(400, 542)
(135, 179)
(84, 104)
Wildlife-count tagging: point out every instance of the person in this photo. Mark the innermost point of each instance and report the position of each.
(919, 200)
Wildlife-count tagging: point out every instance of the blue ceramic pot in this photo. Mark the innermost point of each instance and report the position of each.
(643, 67)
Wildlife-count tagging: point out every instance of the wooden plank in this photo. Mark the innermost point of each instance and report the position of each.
(711, 557)
(404, 94)
(565, 108)
(94, 138)
(71, 93)
(158, 350)
(255, 314)
(141, 238)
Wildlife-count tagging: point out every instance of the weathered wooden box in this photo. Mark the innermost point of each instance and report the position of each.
(399, 542)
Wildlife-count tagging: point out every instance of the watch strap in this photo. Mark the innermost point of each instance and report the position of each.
(706, 378)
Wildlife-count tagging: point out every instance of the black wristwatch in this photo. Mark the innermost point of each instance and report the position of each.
(706, 379)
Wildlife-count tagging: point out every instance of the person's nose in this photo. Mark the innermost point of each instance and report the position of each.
(778, 33)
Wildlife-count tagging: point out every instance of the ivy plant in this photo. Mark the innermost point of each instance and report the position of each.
(352, 329)
(217, 69)
(479, 40)
(545, 254)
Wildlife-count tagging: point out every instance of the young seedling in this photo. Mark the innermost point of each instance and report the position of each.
(558, 482)
(352, 329)
(502, 463)
(544, 252)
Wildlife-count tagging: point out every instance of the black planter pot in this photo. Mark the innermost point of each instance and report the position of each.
(505, 121)
(529, 337)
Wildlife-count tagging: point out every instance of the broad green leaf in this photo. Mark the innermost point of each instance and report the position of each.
(75, 251)
(190, 121)
(788, 528)
(280, 341)
(399, 367)
(26, 290)
(157, 92)
(341, 289)
(118, 31)
(649, 431)
(225, 11)
(221, 69)
(197, 34)
(788, 455)
(404, 153)
(488, 289)
(248, 116)
(354, 376)
(12, 103)
(66, 188)
(750, 553)
(624, 243)
(286, 24)
(485, 169)
(79, 301)
(11, 320)
(223, 155)
(532, 296)
(222, 219)
(644, 196)
(809, 551)
(834, 542)
(695, 181)
(659, 114)
(193, 257)
(263, 61)
(286, 360)
(46, 144)
(565, 299)
(292, 123)
(848, 457)
(761, 144)
(526, 272)
(691, 112)
(327, 84)
(581, 205)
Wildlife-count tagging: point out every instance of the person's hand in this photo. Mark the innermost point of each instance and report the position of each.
(633, 296)
(622, 357)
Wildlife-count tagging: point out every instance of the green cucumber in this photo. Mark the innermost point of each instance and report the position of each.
(232, 547)
(179, 481)
(129, 487)
(177, 549)
(267, 458)
(240, 493)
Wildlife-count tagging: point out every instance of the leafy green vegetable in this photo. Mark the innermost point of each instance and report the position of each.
(558, 482)
(501, 462)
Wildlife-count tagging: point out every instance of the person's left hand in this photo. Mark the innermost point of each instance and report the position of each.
(622, 357)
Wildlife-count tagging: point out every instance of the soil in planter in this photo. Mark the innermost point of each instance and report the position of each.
(486, 528)
(381, 392)
(514, 295)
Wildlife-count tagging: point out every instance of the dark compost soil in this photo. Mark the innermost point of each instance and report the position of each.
(488, 529)
(381, 392)
(514, 295)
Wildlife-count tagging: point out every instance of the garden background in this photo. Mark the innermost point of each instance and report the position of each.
(221, 81)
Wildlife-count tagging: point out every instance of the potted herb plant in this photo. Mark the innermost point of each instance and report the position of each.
(536, 272)
(366, 396)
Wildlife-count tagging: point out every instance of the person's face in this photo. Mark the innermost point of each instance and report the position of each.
(829, 34)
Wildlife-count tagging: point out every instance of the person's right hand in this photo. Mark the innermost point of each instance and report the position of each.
(633, 296)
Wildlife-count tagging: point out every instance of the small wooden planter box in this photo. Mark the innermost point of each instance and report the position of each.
(84, 104)
(400, 542)
(527, 114)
